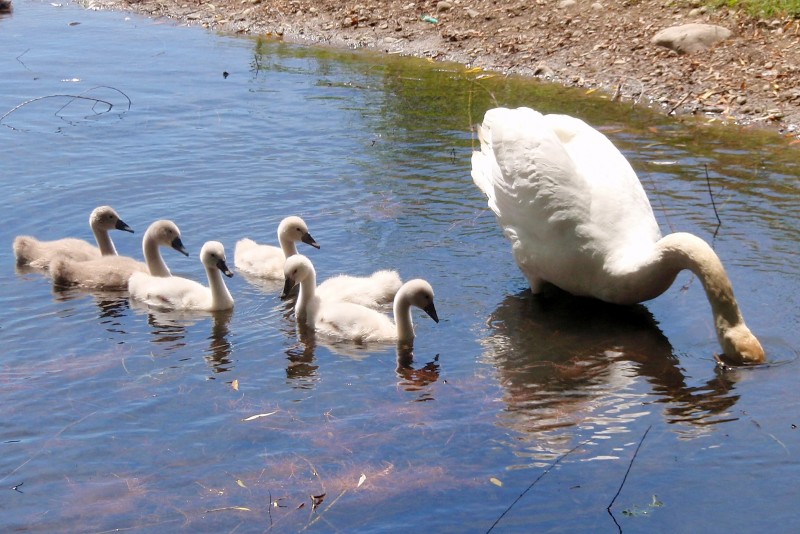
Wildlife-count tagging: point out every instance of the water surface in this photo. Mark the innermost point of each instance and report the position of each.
(121, 418)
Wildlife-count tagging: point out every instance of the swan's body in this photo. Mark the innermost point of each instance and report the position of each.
(177, 293)
(372, 291)
(348, 321)
(266, 261)
(112, 272)
(38, 254)
(578, 218)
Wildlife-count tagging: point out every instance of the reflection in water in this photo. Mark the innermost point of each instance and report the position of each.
(419, 378)
(112, 305)
(304, 371)
(218, 354)
(169, 329)
(567, 362)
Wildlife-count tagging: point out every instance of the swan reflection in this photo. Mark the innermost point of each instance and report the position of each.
(565, 361)
(413, 377)
(169, 329)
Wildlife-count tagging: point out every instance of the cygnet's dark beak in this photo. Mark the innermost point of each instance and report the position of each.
(122, 226)
(177, 244)
(287, 287)
(222, 266)
(308, 240)
(430, 309)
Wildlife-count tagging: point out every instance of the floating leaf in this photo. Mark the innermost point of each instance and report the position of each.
(235, 384)
(238, 508)
(496, 482)
(241, 484)
(592, 90)
(259, 415)
(473, 70)
(361, 479)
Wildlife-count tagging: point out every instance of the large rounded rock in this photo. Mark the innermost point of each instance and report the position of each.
(690, 38)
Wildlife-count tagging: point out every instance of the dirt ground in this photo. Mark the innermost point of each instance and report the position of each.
(751, 78)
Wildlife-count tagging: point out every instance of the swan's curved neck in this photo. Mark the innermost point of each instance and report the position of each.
(152, 257)
(676, 252)
(680, 251)
(221, 298)
(104, 241)
(304, 309)
(402, 318)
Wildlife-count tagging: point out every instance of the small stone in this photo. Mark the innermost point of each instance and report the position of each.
(471, 13)
(564, 4)
(443, 6)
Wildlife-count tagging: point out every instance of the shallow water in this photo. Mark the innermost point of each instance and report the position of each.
(121, 418)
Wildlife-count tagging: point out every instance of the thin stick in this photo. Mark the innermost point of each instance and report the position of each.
(630, 465)
(681, 101)
(543, 473)
(713, 204)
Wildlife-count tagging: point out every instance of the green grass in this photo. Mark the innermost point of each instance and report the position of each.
(763, 8)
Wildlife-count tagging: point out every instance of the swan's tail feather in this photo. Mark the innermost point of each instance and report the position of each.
(59, 271)
(25, 249)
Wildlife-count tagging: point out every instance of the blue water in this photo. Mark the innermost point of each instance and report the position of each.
(116, 417)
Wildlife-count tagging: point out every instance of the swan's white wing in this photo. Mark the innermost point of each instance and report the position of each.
(534, 189)
(345, 320)
(620, 224)
(259, 260)
(372, 291)
(173, 292)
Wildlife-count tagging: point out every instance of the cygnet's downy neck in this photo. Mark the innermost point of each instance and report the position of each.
(104, 242)
(288, 246)
(152, 256)
(306, 296)
(221, 298)
(402, 316)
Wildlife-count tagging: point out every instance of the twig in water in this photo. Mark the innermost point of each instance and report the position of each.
(713, 204)
(72, 99)
(619, 490)
(22, 62)
(532, 484)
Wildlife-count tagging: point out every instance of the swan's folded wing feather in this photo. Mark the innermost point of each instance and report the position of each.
(620, 220)
(38, 254)
(258, 260)
(372, 291)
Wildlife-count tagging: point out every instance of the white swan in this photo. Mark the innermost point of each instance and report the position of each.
(177, 293)
(578, 218)
(112, 272)
(38, 254)
(345, 320)
(266, 261)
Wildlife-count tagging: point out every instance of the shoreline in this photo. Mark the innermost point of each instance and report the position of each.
(750, 79)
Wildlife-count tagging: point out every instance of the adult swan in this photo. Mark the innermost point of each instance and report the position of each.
(578, 218)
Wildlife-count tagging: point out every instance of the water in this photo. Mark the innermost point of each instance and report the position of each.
(119, 418)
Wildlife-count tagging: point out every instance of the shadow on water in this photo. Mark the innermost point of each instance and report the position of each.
(564, 361)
